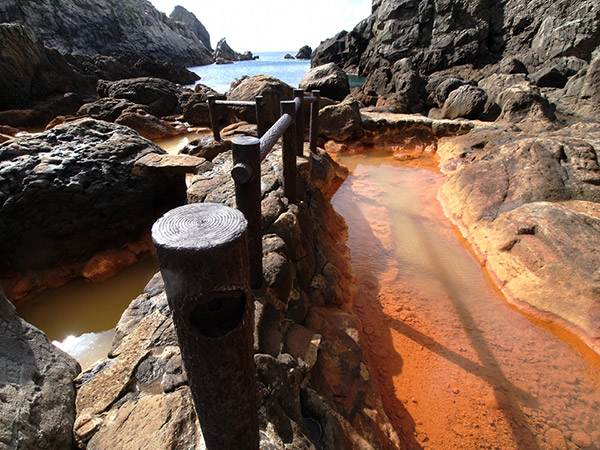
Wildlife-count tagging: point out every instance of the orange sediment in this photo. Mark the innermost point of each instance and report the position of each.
(458, 367)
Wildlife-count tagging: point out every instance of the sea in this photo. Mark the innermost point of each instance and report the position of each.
(291, 71)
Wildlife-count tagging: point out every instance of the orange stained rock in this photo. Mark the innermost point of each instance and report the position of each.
(457, 366)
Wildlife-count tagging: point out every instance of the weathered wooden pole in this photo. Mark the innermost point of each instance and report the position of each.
(261, 126)
(214, 120)
(246, 175)
(298, 97)
(289, 153)
(202, 252)
(314, 121)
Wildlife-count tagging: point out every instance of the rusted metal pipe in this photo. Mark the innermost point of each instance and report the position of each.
(314, 121)
(214, 121)
(289, 153)
(298, 98)
(202, 252)
(246, 157)
(261, 123)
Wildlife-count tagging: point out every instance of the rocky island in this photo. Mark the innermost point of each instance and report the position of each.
(507, 95)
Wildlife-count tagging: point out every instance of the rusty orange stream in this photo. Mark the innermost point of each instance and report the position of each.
(458, 368)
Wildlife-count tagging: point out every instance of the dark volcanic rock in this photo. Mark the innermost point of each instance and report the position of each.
(36, 386)
(440, 34)
(224, 51)
(106, 108)
(90, 28)
(341, 122)
(329, 79)
(305, 52)
(71, 192)
(160, 97)
(466, 101)
(189, 19)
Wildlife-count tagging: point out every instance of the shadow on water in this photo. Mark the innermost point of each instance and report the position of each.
(366, 297)
(506, 393)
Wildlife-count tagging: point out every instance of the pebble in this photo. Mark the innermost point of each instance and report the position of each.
(581, 439)
(369, 330)
(555, 439)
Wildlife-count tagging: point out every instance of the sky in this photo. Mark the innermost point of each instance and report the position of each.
(271, 26)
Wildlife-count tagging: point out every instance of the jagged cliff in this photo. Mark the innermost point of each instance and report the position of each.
(106, 27)
(442, 33)
(189, 19)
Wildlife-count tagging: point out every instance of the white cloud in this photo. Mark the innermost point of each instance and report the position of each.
(283, 25)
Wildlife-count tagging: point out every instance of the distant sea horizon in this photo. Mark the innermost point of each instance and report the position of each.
(220, 76)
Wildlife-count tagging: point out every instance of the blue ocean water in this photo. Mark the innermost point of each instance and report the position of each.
(219, 77)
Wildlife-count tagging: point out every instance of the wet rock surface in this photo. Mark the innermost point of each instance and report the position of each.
(36, 386)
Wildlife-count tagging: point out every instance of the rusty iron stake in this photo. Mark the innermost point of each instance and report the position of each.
(299, 94)
(289, 153)
(202, 251)
(314, 121)
(260, 116)
(214, 121)
(246, 175)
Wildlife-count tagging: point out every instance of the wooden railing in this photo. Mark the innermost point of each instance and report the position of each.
(249, 152)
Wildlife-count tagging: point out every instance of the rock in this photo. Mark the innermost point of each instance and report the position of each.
(272, 90)
(305, 52)
(341, 122)
(107, 108)
(524, 105)
(555, 439)
(528, 203)
(107, 264)
(42, 112)
(87, 165)
(180, 14)
(581, 439)
(36, 386)
(344, 49)
(207, 147)
(90, 28)
(288, 56)
(465, 101)
(147, 125)
(511, 65)
(302, 344)
(549, 77)
(172, 163)
(591, 82)
(221, 61)
(224, 51)
(160, 97)
(195, 108)
(445, 88)
(329, 79)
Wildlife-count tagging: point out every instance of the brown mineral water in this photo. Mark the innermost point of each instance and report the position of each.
(457, 366)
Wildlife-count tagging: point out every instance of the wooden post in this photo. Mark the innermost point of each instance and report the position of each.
(214, 120)
(314, 121)
(261, 126)
(246, 175)
(202, 251)
(299, 93)
(289, 153)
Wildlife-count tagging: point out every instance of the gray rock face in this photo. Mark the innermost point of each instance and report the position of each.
(466, 101)
(341, 122)
(440, 34)
(89, 27)
(305, 52)
(36, 386)
(189, 19)
(225, 52)
(329, 79)
(71, 192)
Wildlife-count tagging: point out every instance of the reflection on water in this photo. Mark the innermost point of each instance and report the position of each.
(459, 368)
(85, 307)
(174, 145)
(87, 348)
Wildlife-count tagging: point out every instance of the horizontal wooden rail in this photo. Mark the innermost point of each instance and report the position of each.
(258, 103)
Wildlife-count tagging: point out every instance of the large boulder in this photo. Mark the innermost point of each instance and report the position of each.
(71, 192)
(189, 19)
(105, 28)
(36, 386)
(466, 101)
(160, 97)
(329, 79)
(272, 90)
(341, 122)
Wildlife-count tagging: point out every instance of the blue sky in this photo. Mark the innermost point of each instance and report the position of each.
(271, 27)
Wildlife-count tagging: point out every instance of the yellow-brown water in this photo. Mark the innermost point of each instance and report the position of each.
(458, 367)
(174, 145)
(87, 309)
